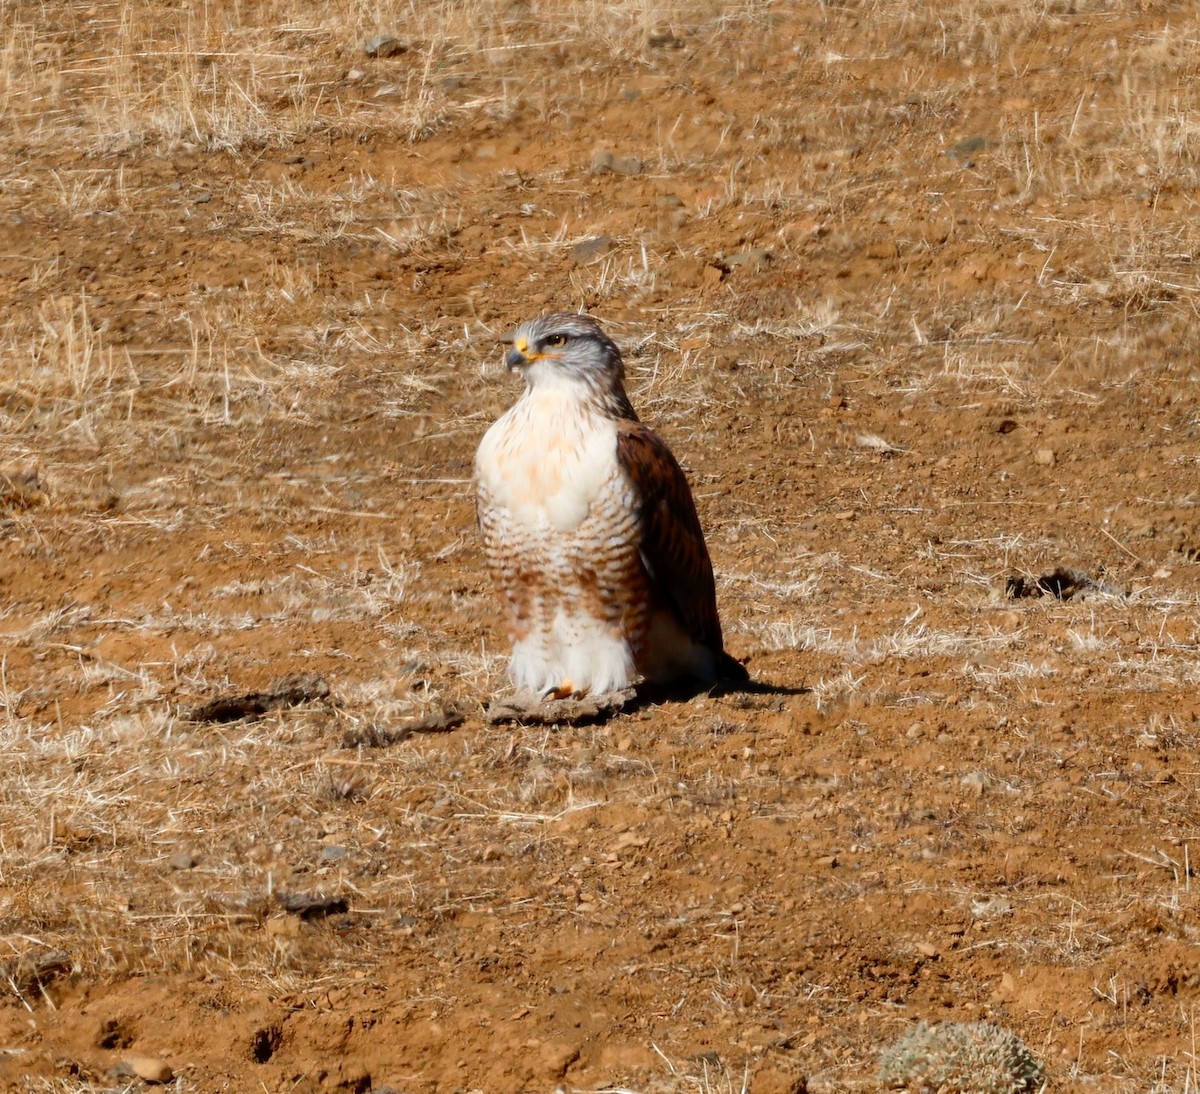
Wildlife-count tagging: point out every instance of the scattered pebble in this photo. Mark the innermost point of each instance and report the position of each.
(991, 907)
(756, 257)
(182, 860)
(605, 163)
(202, 198)
(282, 926)
(974, 781)
(1044, 457)
(384, 45)
(587, 249)
(968, 147)
(310, 906)
(664, 39)
(149, 1068)
(21, 488)
(878, 444)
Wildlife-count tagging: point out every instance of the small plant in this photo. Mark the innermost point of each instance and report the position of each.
(960, 1058)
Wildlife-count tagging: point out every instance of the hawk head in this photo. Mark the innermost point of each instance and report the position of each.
(563, 346)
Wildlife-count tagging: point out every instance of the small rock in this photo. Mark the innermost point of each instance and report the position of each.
(556, 1057)
(878, 444)
(991, 907)
(333, 853)
(587, 249)
(664, 39)
(974, 782)
(755, 257)
(384, 45)
(202, 198)
(182, 860)
(968, 147)
(1044, 457)
(308, 906)
(282, 926)
(22, 488)
(605, 163)
(150, 1068)
(355, 74)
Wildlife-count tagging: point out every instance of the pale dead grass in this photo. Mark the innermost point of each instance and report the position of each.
(102, 796)
(136, 72)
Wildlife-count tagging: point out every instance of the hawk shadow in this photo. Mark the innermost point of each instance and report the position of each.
(682, 691)
(529, 709)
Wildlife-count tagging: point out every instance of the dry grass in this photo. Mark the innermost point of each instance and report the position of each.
(255, 276)
(134, 73)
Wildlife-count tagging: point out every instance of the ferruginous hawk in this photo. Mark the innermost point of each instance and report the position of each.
(589, 527)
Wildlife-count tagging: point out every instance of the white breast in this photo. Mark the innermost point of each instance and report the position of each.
(547, 459)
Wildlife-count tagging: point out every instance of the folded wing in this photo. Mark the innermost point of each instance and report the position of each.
(673, 549)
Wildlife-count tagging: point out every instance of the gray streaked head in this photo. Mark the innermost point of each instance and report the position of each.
(569, 344)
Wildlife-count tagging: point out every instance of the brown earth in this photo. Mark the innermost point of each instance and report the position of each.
(910, 289)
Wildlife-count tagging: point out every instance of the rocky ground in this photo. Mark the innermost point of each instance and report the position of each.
(911, 291)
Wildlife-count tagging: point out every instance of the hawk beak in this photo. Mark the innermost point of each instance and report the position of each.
(518, 355)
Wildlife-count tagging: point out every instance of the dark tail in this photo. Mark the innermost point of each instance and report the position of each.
(730, 671)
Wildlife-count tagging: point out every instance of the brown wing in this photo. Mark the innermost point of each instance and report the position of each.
(672, 547)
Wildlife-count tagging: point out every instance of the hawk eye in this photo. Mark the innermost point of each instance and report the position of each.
(556, 340)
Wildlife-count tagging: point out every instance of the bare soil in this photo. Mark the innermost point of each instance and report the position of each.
(912, 292)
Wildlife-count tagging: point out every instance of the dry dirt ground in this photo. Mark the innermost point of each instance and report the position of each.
(912, 291)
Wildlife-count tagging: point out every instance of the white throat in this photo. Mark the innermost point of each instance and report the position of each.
(547, 457)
